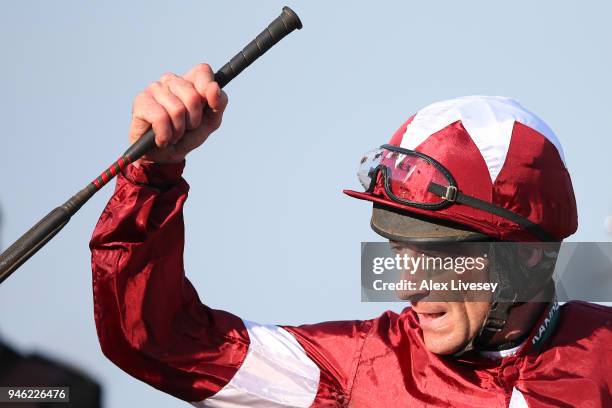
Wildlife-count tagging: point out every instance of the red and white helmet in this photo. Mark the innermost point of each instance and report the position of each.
(468, 168)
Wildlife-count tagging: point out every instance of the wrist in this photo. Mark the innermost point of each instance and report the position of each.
(155, 174)
(146, 161)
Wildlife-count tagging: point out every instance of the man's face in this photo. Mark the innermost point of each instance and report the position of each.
(447, 325)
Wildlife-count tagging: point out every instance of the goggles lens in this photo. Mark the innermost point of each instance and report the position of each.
(406, 176)
(368, 164)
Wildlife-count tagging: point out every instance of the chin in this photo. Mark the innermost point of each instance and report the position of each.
(442, 344)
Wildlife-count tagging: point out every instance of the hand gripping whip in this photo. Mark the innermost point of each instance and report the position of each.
(45, 229)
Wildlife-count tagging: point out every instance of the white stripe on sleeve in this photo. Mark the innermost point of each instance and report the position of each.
(517, 400)
(276, 372)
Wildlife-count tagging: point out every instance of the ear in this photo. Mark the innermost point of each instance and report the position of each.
(530, 256)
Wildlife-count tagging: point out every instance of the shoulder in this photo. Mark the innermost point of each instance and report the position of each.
(330, 329)
(585, 313)
(357, 336)
(388, 322)
(584, 322)
(337, 347)
(392, 322)
(342, 339)
(582, 341)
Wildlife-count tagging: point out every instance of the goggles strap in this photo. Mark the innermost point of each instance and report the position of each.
(474, 202)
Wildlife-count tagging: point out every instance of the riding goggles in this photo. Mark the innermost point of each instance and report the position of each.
(417, 180)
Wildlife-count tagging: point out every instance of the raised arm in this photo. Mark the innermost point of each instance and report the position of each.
(149, 318)
(150, 321)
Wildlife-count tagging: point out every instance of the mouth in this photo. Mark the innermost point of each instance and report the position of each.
(430, 316)
(432, 319)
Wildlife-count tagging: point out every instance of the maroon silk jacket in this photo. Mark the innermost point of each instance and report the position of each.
(152, 324)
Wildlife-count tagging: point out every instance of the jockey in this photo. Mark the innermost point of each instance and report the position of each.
(472, 169)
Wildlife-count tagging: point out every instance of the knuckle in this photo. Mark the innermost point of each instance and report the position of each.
(167, 76)
(180, 80)
(158, 116)
(144, 106)
(203, 68)
(140, 99)
(176, 110)
(194, 101)
(154, 86)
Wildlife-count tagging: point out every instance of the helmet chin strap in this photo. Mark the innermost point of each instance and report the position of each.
(495, 321)
(503, 301)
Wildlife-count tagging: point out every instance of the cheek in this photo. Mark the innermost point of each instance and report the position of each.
(476, 313)
(466, 319)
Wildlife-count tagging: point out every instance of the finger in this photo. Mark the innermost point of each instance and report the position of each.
(146, 113)
(217, 102)
(200, 76)
(173, 106)
(216, 97)
(188, 95)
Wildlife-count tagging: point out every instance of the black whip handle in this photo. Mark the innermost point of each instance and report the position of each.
(30, 242)
(45, 229)
(276, 31)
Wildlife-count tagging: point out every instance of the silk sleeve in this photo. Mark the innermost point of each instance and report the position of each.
(152, 324)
